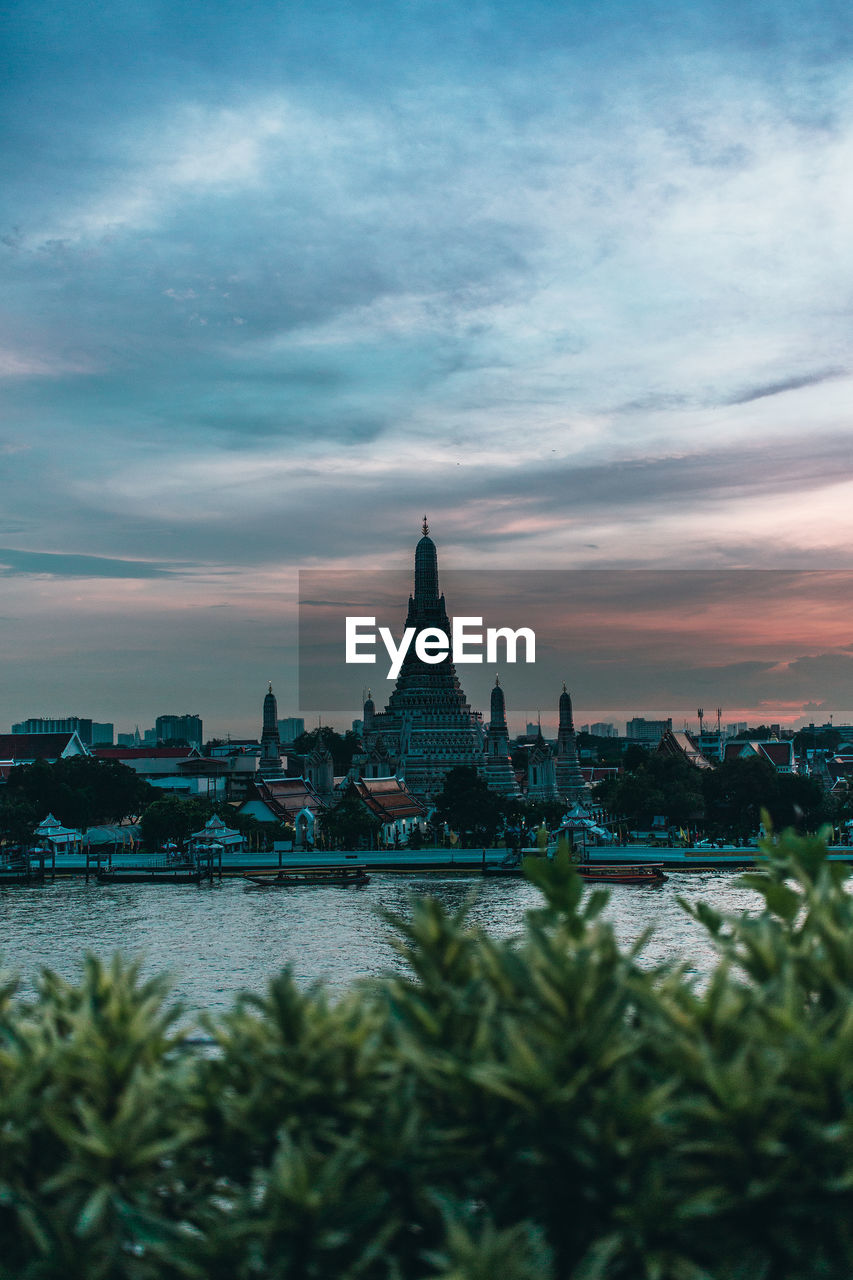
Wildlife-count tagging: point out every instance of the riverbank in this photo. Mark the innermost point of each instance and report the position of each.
(148, 868)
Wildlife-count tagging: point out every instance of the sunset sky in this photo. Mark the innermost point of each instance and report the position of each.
(277, 278)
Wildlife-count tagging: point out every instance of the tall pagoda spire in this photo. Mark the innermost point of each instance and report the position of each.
(570, 781)
(500, 774)
(270, 765)
(426, 571)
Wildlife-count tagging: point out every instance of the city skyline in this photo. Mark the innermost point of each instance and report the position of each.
(278, 280)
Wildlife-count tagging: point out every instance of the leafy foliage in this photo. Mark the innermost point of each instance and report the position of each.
(469, 806)
(536, 1108)
(737, 790)
(177, 818)
(350, 824)
(342, 746)
(79, 791)
(658, 784)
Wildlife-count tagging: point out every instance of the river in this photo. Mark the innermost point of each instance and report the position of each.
(217, 941)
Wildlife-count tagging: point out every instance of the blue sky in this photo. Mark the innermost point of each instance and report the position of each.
(576, 279)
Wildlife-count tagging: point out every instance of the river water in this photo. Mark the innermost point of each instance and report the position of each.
(217, 941)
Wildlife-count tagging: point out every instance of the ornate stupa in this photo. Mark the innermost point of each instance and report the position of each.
(428, 727)
(570, 783)
(270, 764)
(500, 774)
(541, 775)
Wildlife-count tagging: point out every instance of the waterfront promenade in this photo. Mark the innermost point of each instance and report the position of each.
(689, 859)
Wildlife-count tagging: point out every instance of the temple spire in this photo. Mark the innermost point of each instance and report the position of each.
(270, 765)
(426, 571)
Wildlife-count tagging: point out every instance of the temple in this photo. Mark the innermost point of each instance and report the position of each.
(428, 727)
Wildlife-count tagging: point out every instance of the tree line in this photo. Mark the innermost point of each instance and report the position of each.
(724, 801)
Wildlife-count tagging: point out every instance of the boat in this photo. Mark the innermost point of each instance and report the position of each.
(154, 875)
(622, 873)
(356, 876)
(605, 873)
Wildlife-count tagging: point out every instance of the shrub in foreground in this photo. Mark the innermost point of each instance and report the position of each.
(537, 1108)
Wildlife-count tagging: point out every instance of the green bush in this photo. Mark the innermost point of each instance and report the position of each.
(531, 1109)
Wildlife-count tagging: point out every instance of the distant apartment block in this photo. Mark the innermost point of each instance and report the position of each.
(640, 730)
(90, 732)
(186, 728)
(603, 729)
(290, 728)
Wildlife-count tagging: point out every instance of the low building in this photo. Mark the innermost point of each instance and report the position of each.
(53, 838)
(779, 754)
(683, 746)
(391, 801)
(593, 774)
(290, 800)
(215, 836)
(27, 748)
(161, 766)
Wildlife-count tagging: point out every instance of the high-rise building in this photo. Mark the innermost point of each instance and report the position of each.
(67, 724)
(186, 728)
(640, 730)
(289, 729)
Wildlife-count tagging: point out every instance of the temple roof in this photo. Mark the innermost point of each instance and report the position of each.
(286, 796)
(389, 798)
(27, 747)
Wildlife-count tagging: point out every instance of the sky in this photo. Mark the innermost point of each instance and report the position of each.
(277, 278)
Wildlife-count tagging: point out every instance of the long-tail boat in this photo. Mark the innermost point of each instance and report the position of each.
(355, 876)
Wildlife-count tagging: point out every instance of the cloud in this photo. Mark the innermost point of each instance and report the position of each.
(62, 565)
(546, 271)
(787, 384)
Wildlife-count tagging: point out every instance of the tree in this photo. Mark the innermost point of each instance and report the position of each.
(800, 803)
(18, 819)
(817, 740)
(659, 784)
(635, 757)
(469, 806)
(171, 818)
(341, 746)
(81, 790)
(735, 793)
(350, 824)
